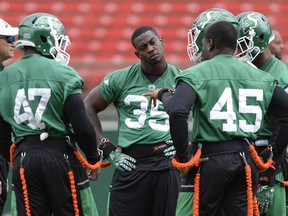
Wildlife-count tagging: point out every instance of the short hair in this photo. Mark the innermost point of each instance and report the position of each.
(140, 30)
(224, 35)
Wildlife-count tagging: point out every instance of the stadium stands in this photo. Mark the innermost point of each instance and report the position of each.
(100, 30)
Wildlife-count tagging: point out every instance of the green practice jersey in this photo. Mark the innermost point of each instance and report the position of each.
(239, 96)
(139, 121)
(279, 71)
(32, 99)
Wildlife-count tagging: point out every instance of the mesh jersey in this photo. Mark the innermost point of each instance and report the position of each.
(138, 123)
(279, 71)
(232, 98)
(33, 91)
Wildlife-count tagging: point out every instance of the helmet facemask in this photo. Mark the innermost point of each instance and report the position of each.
(245, 47)
(194, 50)
(58, 52)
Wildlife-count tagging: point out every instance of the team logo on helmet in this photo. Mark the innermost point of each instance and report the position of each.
(210, 16)
(250, 22)
(46, 22)
(214, 15)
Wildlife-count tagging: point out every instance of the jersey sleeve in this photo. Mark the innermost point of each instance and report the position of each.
(110, 87)
(73, 83)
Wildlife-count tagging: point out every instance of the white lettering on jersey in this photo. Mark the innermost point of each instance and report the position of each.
(21, 101)
(142, 113)
(218, 113)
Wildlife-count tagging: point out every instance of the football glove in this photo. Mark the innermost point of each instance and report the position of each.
(121, 161)
(170, 151)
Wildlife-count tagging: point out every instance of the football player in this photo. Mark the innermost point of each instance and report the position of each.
(255, 35)
(144, 181)
(42, 105)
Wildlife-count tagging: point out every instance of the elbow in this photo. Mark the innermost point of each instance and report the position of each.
(177, 113)
(172, 114)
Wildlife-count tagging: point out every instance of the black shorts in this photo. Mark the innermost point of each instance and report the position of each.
(223, 186)
(46, 174)
(144, 192)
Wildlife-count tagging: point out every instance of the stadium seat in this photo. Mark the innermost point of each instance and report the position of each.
(100, 30)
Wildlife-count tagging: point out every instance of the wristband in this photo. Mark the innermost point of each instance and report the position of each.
(162, 91)
(106, 146)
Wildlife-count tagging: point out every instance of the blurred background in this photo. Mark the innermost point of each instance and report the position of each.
(100, 32)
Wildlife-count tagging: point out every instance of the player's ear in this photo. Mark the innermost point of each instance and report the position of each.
(162, 40)
(136, 53)
(211, 44)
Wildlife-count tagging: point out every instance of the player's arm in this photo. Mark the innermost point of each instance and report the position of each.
(181, 103)
(5, 139)
(279, 108)
(164, 95)
(95, 103)
(83, 129)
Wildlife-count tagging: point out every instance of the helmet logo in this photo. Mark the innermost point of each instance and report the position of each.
(210, 16)
(215, 15)
(250, 22)
(47, 22)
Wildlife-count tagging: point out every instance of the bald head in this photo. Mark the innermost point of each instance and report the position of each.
(276, 46)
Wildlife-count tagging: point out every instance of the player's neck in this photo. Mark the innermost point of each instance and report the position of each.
(262, 58)
(154, 69)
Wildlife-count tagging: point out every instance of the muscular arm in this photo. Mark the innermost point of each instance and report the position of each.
(179, 110)
(279, 108)
(83, 129)
(95, 103)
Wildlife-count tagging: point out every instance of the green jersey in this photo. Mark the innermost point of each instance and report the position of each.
(272, 199)
(279, 71)
(241, 96)
(139, 121)
(32, 100)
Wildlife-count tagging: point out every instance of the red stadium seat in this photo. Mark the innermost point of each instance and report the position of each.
(100, 30)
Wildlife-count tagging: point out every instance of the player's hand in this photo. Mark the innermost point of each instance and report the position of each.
(170, 151)
(106, 147)
(0, 187)
(153, 96)
(121, 161)
(93, 174)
